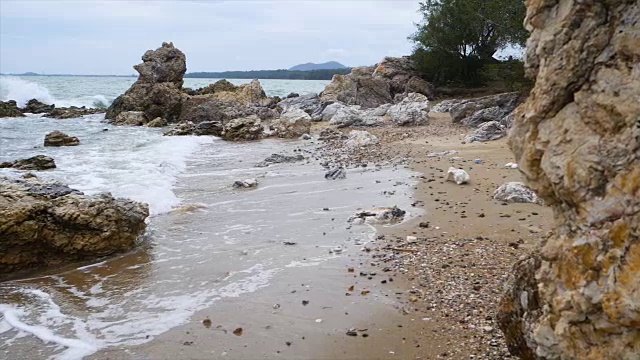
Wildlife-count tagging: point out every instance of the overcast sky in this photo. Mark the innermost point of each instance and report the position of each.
(109, 36)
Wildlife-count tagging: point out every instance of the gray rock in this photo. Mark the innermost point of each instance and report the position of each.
(360, 138)
(488, 131)
(412, 110)
(279, 159)
(293, 123)
(246, 183)
(130, 118)
(378, 215)
(246, 128)
(38, 162)
(307, 103)
(516, 192)
(336, 173)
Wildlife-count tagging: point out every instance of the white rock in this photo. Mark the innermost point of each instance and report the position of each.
(511, 165)
(359, 138)
(246, 183)
(412, 110)
(516, 192)
(378, 215)
(458, 176)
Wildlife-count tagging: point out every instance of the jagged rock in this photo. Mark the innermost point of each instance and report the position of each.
(214, 128)
(305, 137)
(401, 74)
(293, 123)
(308, 103)
(516, 192)
(72, 112)
(473, 112)
(488, 131)
(577, 140)
(378, 215)
(157, 122)
(131, 118)
(458, 176)
(58, 138)
(218, 86)
(336, 173)
(412, 110)
(445, 106)
(330, 134)
(359, 138)
(354, 116)
(44, 224)
(245, 128)
(158, 90)
(519, 305)
(9, 109)
(292, 95)
(36, 107)
(330, 110)
(279, 159)
(38, 162)
(246, 183)
(507, 121)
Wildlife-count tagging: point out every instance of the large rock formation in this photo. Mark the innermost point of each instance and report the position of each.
(58, 138)
(10, 109)
(38, 162)
(158, 90)
(371, 87)
(577, 141)
(474, 112)
(45, 223)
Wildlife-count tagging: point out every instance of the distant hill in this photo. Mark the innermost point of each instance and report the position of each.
(323, 66)
(323, 74)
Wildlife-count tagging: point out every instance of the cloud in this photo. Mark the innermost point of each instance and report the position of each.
(108, 37)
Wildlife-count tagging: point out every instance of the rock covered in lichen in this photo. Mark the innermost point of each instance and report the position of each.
(577, 140)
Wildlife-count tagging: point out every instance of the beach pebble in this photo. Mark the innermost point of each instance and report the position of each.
(246, 183)
(458, 176)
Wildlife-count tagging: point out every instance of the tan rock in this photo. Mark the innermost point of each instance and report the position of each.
(577, 140)
(58, 138)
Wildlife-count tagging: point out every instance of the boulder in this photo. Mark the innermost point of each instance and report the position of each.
(401, 74)
(412, 110)
(44, 224)
(158, 90)
(9, 109)
(308, 103)
(516, 191)
(131, 118)
(38, 162)
(336, 173)
(72, 112)
(36, 107)
(378, 216)
(188, 128)
(293, 123)
(246, 183)
(157, 122)
(458, 176)
(218, 86)
(445, 106)
(279, 159)
(354, 116)
(488, 131)
(58, 138)
(360, 138)
(245, 128)
(577, 140)
(330, 110)
(473, 112)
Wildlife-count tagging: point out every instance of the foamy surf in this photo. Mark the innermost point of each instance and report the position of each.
(21, 91)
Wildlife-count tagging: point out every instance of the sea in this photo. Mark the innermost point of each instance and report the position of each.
(205, 242)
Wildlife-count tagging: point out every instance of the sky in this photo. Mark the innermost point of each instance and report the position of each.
(108, 37)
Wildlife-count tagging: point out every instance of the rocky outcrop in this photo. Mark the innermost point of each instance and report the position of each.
(577, 140)
(44, 224)
(58, 138)
(310, 104)
(488, 131)
(370, 87)
(38, 162)
(157, 122)
(34, 106)
(72, 112)
(10, 109)
(412, 110)
(246, 128)
(293, 123)
(130, 118)
(214, 128)
(354, 116)
(158, 90)
(474, 112)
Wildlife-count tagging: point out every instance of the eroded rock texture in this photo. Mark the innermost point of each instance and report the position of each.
(577, 141)
(47, 223)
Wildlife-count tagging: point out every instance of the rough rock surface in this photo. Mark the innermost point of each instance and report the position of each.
(44, 223)
(10, 109)
(157, 122)
(246, 183)
(58, 138)
(517, 192)
(310, 104)
(378, 215)
(371, 87)
(131, 118)
(279, 159)
(38, 162)
(473, 112)
(577, 141)
(458, 176)
(488, 131)
(34, 106)
(158, 90)
(336, 173)
(412, 110)
(72, 112)
(293, 123)
(246, 128)
(359, 138)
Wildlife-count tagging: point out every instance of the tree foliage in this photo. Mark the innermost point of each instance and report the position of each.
(458, 37)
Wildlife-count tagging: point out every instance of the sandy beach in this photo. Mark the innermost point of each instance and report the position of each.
(423, 289)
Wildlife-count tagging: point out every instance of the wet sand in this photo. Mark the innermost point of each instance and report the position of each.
(426, 298)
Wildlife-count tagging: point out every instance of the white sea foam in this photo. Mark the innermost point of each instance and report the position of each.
(14, 88)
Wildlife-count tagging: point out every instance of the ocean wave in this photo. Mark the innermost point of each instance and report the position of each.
(21, 91)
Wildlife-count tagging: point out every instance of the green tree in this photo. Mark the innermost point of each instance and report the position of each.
(458, 37)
